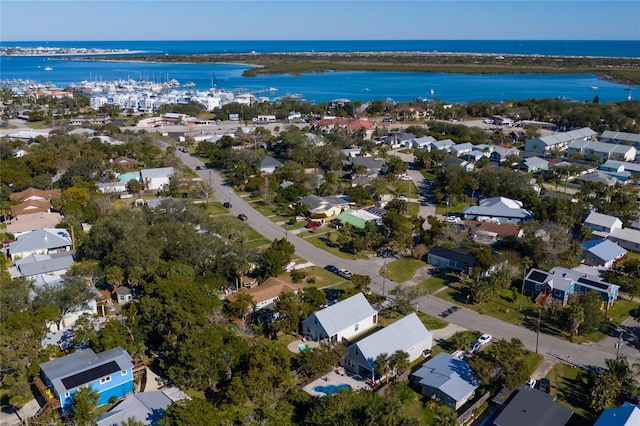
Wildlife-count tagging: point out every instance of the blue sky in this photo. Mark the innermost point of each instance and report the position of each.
(26, 20)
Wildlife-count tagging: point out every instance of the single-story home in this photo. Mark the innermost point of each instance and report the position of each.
(408, 334)
(447, 379)
(328, 206)
(341, 321)
(627, 238)
(626, 415)
(532, 407)
(154, 179)
(602, 223)
(602, 253)
(357, 218)
(533, 164)
(459, 259)
(43, 269)
(500, 154)
(35, 194)
(268, 164)
(145, 407)
(40, 241)
(267, 292)
(498, 210)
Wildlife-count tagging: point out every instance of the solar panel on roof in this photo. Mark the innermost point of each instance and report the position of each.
(538, 276)
(595, 284)
(90, 375)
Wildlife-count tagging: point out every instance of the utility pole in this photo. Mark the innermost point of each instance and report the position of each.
(384, 275)
(538, 329)
(619, 344)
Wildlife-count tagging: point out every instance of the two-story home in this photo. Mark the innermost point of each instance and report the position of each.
(611, 136)
(593, 150)
(498, 210)
(559, 283)
(558, 141)
(500, 154)
(602, 224)
(341, 321)
(109, 373)
(408, 334)
(447, 379)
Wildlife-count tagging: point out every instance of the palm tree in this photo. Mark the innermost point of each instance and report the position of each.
(398, 363)
(381, 365)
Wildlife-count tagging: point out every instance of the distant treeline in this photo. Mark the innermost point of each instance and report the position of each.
(622, 70)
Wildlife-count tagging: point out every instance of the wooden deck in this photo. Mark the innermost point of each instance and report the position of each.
(51, 402)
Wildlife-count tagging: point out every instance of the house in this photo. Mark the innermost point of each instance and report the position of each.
(43, 269)
(372, 166)
(447, 379)
(357, 218)
(621, 170)
(32, 221)
(124, 295)
(558, 141)
(30, 207)
(498, 210)
(533, 165)
(341, 321)
(411, 113)
(408, 334)
(423, 143)
(40, 241)
(112, 187)
(462, 148)
(626, 415)
(597, 177)
(593, 150)
(491, 232)
(499, 154)
(627, 238)
(454, 161)
(602, 224)
(532, 407)
(268, 164)
(602, 253)
(610, 136)
(443, 145)
(267, 292)
(109, 373)
(560, 283)
(156, 179)
(30, 194)
(459, 259)
(327, 206)
(125, 162)
(146, 407)
(399, 139)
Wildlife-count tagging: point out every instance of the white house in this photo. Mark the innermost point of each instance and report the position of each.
(43, 269)
(40, 241)
(602, 223)
(602, 151)
(423, 143)
(268, 164)
(559, 141)
(343, 320)
(154, 179)
(498, 209)
(407, 334)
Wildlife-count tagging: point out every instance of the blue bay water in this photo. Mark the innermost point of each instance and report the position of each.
(321, 87)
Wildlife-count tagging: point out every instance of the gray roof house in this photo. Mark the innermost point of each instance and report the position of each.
(328, 206)
(602, 223)
(498, 209)
(499, 154)
(268, 164)
(423, 143)
(461, 148)
(532, 407)
(341, 321)
(145, 407)
(446, 378)
(602, 151)
(443, 145)
(408, 334)
(627, 238)
(154, 179)
(559, 141)
(43, 268)
(40, 241)
(602, 253)
(373, 165)
(533, 164)
(598, 177)
(610, 136)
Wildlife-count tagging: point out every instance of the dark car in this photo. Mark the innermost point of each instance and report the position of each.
(198, 167)
(243, 217)
(332, 268)
(227, 205)
(545, 385)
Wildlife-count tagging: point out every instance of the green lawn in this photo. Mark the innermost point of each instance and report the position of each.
(571, 392)
(389, 316)
(414, 209)
(327, 242)
(427, 175)
(323, 277)
(215, 208)
(436, 282)
(402, 270)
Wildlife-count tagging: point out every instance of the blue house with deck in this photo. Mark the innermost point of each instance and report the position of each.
(110, 373)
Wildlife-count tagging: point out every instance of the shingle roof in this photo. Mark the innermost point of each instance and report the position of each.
(267, 161)
(451, 375)
(533, 407)
(271, 288)
(344, 314)
(37, 193)
(459, 255)
(401, 335)
(84, 361)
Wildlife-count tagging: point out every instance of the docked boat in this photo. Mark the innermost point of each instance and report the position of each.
(190, 84)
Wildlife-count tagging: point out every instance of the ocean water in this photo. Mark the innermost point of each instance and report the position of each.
(322, 87)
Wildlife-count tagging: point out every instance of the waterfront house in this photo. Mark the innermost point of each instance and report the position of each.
(341, 321)
(408, 334)
(498, 210)
(446, 378)
(109, 373)
(560, 283)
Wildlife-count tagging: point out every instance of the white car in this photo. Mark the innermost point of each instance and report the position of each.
(484, 339)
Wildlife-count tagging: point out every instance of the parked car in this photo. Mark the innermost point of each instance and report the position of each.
(484, 339)
(344, 273)
(332, 268)
(243, 217)
(227, 204)
(312, 225)
(545, 385)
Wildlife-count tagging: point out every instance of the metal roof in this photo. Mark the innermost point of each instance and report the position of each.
(44, 266)
(344, 314)
(449, 374)
(499, 207)
(41, 239)
(604, 249)
(162, 172)
(603, 220)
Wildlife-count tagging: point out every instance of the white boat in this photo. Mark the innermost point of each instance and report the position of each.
(190, 84)
(48, 69)
(594, 87)
(431, 91)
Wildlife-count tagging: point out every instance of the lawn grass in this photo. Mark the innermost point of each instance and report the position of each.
(570, 391)
(442, 209)
(414, 209)
(436, 282)
(402, 270)
(215, 208)
(327, 242)
(389, 316)
(427, 175)
(323, 277)
(431, 322)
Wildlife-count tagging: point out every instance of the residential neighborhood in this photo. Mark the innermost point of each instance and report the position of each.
(371, 261)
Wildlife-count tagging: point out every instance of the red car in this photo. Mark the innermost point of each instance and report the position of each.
(312, 225)
(243, 217)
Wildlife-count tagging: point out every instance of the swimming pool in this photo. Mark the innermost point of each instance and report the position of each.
(331, 389)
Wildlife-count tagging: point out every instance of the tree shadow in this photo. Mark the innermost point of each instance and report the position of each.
(573, 392)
